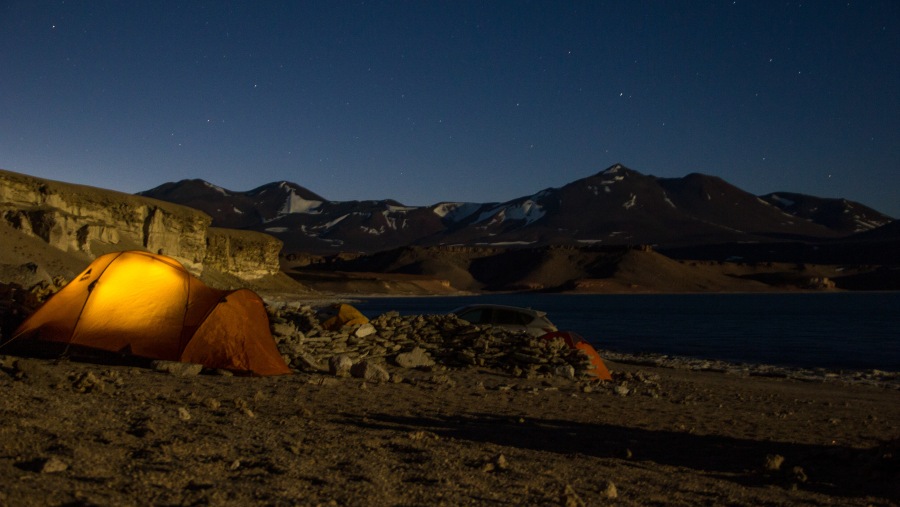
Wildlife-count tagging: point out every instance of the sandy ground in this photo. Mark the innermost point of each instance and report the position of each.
(75, 433)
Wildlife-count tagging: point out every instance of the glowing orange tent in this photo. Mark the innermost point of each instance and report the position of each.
(575, 341)
(149, 306)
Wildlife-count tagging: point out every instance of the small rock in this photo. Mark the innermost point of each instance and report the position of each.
(609, 490)
(284, 329)
(87, 382)
(53, 465)
(177, 368)
(621, 391)
(566, 371)
(364, 330)
(423, 435)
(307, 362)
(183, 414)
(340, 365)
(570, 497)
(370, 372)
(798, 474)
(773, 462)
(416, 358)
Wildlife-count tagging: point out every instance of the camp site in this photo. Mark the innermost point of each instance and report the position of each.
(136, 383)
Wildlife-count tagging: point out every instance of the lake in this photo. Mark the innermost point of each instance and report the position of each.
(843, 330)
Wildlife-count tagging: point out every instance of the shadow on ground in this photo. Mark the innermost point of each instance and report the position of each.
(831, 470)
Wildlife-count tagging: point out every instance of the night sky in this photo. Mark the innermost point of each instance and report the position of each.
(427, 101)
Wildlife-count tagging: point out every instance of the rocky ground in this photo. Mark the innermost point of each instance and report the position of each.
(429, 411)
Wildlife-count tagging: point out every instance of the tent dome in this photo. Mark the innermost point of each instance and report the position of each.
(150, 306)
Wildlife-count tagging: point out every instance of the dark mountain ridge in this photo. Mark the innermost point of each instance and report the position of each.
(616, 206)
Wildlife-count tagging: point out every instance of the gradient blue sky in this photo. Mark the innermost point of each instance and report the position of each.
(427, 101)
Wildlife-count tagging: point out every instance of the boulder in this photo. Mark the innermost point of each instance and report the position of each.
(369, 371)
(339, 365)
(416, 358)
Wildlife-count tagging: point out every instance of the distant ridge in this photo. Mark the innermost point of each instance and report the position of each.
(616, 206)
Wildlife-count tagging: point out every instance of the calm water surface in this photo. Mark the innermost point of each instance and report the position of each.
(834, 330)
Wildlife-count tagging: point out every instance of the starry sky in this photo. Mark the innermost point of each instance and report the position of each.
(427, 101)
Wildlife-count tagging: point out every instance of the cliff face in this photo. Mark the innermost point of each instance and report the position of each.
(84, 220)
(250, 254)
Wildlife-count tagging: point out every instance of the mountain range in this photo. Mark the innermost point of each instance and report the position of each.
(617, 206)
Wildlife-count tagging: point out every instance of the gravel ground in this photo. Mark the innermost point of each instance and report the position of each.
(76, 433)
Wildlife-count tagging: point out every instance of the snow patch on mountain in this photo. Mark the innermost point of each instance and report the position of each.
(527, 210)
(331, 224)
(612, 181)
(296, 204)
(393, 222)
(456, 211)
(669, 201)
(373, 231)
(865, 225)
(400, 209)
(630, 202)
(216, 188)
(596, 189)
(614, 169)
(787, 203)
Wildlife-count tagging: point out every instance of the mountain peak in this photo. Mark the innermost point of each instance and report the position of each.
(286, 187)
(616, 168)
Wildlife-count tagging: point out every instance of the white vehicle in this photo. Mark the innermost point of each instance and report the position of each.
(533, 322)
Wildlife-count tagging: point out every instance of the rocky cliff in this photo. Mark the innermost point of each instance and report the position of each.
(87, 222)
(247, 254)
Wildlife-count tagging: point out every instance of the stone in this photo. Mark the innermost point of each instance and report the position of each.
(177, 368)
(183, 414)
(339, 365)
(369, 372)
(307, 362)
(87, 382)
(570, 498)
(53, 465)
(773, 462)
(609, 490)
(416, 358)
(364, 330)
(621, 390)
(565, 371)
(284, 329)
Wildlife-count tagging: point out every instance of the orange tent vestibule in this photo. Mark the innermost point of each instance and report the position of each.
(149, 306)
(575, 341)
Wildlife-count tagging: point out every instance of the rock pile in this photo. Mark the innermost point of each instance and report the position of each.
(419, 341)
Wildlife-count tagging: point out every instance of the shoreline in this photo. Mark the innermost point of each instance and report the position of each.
(728, 359)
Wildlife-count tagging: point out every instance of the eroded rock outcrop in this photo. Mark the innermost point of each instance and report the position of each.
(247, 253)
(91, 221)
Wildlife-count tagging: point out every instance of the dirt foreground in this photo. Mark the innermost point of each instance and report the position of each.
(86, 434)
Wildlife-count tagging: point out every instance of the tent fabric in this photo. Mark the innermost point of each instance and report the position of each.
(575, 341)
(347, 315)
(149, 306)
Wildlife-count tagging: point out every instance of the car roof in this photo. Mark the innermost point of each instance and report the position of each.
(529, 311)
